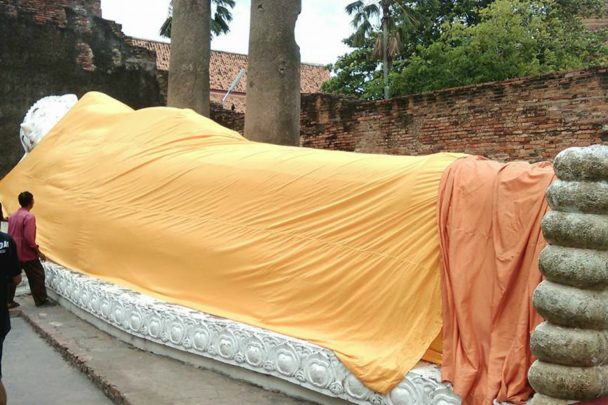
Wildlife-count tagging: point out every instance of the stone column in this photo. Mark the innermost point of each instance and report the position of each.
(273, 73)
(572, 345)
(190, 54)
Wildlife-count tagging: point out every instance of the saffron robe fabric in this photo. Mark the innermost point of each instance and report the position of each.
(489, 218)
(340, 249)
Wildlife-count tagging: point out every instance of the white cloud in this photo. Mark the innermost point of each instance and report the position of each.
(320, 29)
(319, 32)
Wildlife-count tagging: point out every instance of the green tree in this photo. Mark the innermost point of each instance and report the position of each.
(222, 16)
(412, 23)
(386, 35)
(353, 72)
(514, 38)
(357, 73)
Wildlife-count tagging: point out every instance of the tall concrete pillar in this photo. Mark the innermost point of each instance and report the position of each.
(273, 73)
(572, 345)
(190, 54)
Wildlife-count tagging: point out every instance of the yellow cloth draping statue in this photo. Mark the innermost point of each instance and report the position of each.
(336, 248)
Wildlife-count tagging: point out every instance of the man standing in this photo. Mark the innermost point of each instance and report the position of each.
(22, 228)
(10, 275)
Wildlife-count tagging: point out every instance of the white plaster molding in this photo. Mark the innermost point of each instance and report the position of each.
(297, 361)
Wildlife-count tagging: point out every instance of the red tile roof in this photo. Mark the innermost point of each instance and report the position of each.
(225, 66)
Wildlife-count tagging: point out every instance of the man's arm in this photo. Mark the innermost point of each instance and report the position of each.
(29, 235)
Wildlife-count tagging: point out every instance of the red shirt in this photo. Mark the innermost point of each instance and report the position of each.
(22, 228)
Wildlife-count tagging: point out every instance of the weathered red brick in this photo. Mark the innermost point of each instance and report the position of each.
(530, 118)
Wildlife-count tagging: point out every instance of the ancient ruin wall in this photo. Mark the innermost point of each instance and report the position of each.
(230, 119)
(63, 46)
(528, 119)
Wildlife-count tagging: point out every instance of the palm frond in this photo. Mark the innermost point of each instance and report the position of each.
(377, 52)
(221, 17)
(224, 13)
(219, 21)
(354, 7)
(371, 10)
(219, 26)
(362, 32)
(165, 29)
(357, 20)
(394, 45)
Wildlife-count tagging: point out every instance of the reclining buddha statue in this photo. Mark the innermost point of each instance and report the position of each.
(354, 276)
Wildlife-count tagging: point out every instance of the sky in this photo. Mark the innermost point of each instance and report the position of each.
(319, 31)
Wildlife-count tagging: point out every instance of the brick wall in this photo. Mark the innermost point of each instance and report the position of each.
(234, 120)
(54, 47)
(238, 100)
(524, 119)
(52, 11)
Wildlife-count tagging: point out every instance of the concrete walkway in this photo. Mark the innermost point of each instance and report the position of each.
(125, 374)
(35, 374)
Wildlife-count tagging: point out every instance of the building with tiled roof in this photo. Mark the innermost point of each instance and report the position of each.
(224, 68)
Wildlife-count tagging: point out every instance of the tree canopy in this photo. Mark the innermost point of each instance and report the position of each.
(456, 43)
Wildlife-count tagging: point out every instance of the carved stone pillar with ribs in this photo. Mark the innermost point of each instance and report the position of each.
(572, 345)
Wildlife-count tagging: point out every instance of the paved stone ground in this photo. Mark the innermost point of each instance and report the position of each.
(35, 374)
(125, 374)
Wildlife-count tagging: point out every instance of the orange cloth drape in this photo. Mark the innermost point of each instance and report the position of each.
(489, 219)
(340, 249)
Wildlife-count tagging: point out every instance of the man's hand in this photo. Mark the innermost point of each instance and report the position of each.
(17, 279)
(41, 256)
